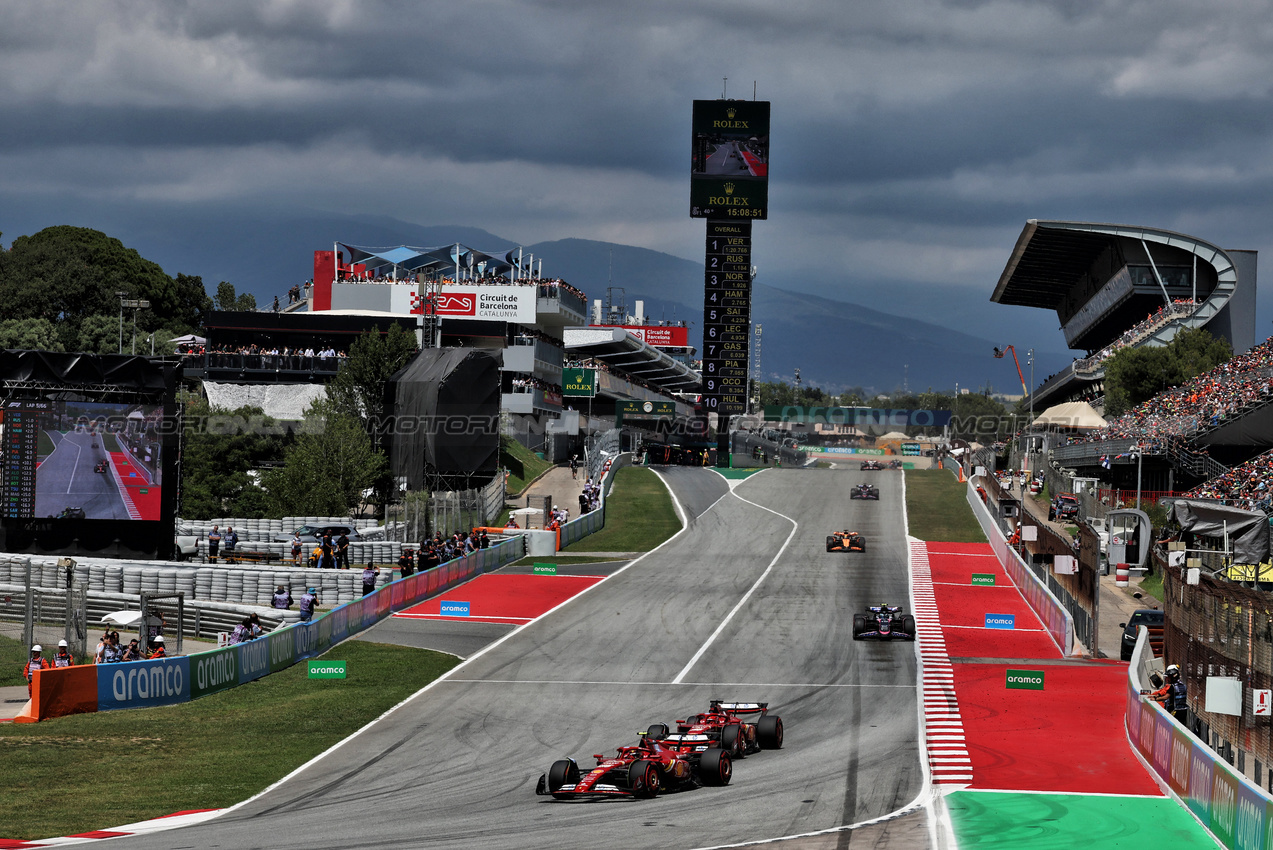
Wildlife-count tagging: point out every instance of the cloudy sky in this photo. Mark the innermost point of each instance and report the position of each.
(910, 141)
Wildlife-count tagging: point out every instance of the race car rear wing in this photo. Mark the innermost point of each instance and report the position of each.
(740, 706)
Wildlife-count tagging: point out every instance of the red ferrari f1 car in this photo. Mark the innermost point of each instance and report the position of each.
(883, 622)
(101, 466)
(640, 771)
(845, 541)
(741, 728)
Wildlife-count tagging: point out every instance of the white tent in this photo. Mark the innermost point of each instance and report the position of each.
(1072, 414)
(189, 339)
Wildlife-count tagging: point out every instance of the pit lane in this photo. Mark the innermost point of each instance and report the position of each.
(456, 766)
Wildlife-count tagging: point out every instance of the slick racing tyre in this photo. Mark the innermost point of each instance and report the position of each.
(830, 544)
(859, 626)
(908, 626)
(715, 767)
(563, 772)
(734, 741)
(769, 732)
(643, 779)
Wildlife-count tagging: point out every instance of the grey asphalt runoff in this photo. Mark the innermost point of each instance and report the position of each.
(457, 765)
(66, 478)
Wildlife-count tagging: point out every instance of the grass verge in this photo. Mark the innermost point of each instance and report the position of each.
(565, 560)
(937, 508)
(205, 754)
(1151, 585)
(522, 464)
(639, 515)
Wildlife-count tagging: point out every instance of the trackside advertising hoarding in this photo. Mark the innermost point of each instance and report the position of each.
(139, 684)
(143, 684)
(1238, 813)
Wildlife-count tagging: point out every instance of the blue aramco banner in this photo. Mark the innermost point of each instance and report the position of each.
(137, 684)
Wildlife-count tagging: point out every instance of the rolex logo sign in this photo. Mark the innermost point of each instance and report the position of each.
(730, 113)
(729, 188)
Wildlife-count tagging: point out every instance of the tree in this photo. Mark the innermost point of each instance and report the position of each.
(99, 335)
(222, 453)
(1135, 375)
(226, 299)
(29, 335)
(358, 390)
(67, 274)
(328, 468)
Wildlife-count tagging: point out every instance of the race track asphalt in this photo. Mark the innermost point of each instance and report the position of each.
(457, 765)
(66, 478)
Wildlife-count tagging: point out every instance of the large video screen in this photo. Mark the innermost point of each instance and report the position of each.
(82, 460)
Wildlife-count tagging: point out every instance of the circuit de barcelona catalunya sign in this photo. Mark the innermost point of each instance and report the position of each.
(500, 303)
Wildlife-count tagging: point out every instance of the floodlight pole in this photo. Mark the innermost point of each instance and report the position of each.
(121, 296)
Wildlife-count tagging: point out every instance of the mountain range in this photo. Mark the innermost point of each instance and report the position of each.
(835, 344)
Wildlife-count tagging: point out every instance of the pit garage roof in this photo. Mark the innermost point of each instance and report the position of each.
(617, 348)
(1051, 255)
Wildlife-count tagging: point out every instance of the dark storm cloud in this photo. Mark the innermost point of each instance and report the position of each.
(910, 141)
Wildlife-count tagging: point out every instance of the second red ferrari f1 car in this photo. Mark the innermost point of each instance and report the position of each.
(640, 771)
(845, 541)
(740, 728)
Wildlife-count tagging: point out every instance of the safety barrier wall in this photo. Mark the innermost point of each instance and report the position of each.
(1047, 607)
(1236, 812)
(581, 526)
(166, 681)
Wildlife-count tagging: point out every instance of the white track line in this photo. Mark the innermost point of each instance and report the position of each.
(444, 677)
(795, 526)
(669, 684)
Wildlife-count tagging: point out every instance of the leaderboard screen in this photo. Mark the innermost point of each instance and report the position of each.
(82, 460)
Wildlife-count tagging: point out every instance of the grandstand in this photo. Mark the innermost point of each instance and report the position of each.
(1115, 285)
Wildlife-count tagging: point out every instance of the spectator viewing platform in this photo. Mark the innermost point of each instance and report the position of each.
(1114, 286)
(619, 350)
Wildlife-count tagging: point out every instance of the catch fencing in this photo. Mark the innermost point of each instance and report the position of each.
(1235, 810)
(1220, 628)
(167, 681)
(1055, 617)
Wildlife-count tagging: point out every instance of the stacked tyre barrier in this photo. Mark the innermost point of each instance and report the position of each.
(168, 681)
(264, 530)
(360, 551)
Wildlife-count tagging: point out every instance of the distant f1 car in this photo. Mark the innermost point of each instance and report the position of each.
(72, 513)
(846, 541)
(896, 464)
(640, 771)
(102, 466)
(865, 491)
(740, 728)
(883, 622)
(871, 464)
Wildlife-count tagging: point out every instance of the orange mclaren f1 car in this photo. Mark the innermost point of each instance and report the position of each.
(846, 541)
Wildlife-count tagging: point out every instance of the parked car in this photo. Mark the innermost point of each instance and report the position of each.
(1064, 506)
(314, 533)
(1152, 619)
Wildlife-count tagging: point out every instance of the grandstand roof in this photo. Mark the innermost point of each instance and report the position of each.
(414, 258)
(619, 349)
(1051, 255)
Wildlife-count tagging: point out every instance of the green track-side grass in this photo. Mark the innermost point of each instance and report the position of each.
(46, 444)
(937, 508)
(73, 774)
(639, 515)
(1151, 585)
(522, 465)
(13, 654)
(565, 560)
